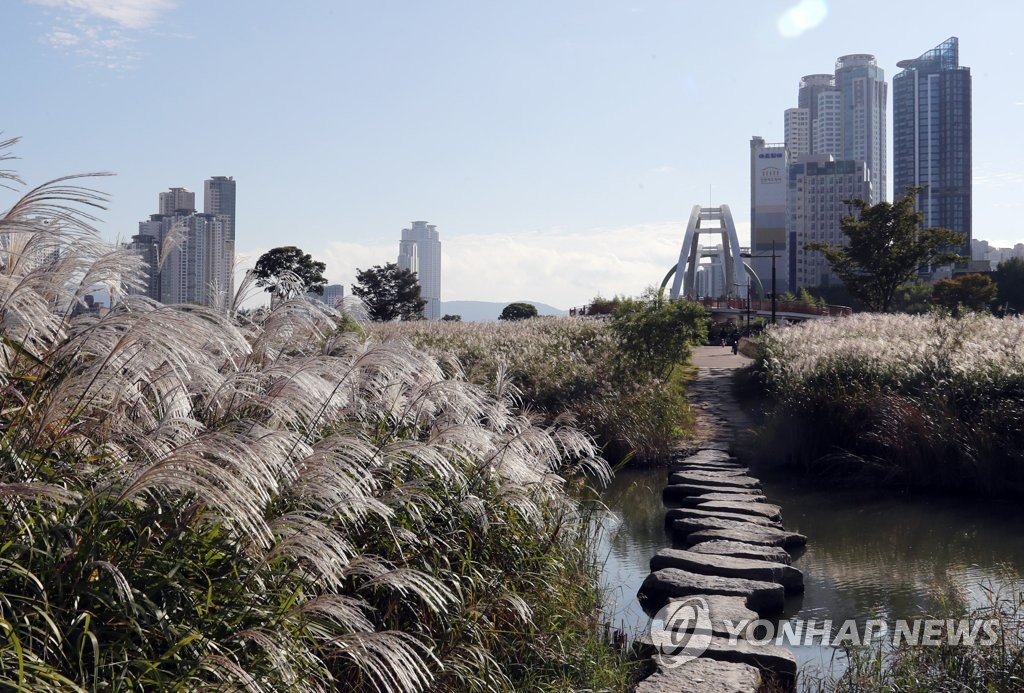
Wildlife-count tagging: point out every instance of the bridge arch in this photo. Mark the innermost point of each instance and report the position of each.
(685, 281)
(756, 287)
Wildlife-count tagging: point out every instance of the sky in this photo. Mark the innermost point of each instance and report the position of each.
(557, 145)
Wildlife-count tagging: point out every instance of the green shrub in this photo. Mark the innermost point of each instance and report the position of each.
(655, 335)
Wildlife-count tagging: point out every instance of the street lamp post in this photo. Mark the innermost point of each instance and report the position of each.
(774, 292)
(748, 305)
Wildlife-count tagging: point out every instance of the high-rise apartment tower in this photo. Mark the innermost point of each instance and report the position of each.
(835, 147)
(189, 257)
(420, 252)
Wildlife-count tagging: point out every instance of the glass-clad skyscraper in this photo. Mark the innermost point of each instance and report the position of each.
(932, 136)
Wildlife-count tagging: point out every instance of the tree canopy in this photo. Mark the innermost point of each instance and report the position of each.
(973, 292)
(885, 248)
(518, 311)
(655, 334)
(1009, 279)
(389, 293)
(287, 271)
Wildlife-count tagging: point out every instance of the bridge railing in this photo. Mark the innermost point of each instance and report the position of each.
(759, 305)
(765, 305)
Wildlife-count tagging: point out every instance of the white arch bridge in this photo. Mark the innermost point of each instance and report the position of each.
(737, 299)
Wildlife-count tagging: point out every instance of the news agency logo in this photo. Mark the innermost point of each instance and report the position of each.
(681, 631)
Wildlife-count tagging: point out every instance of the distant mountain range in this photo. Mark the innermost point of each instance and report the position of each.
(484, 311)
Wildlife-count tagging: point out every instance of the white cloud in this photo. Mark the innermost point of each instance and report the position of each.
(130, 14)
(804, 16)
(556, 267)
(985, 177)
(102, 31)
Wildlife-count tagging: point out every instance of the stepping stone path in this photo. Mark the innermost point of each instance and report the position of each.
(734, 564)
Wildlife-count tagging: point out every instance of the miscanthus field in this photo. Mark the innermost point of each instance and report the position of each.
(190, 499)
(924, 401)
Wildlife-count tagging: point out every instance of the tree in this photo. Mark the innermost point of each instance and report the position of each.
(448, 317)
(1009, 279)
(287, 271)
(389, 293)
(602, 306)
(518, 311)
(914, 297)
(655, 334)
(886, 247)
(974, 292)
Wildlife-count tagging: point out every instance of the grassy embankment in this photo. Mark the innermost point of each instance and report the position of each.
(921, 402)
(190, 500)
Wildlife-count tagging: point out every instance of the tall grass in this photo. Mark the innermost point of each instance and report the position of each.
(191, 500)
(994, 662)
(560, 367)
(924, 401)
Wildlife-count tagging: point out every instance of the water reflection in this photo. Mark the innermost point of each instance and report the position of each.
(633, 531)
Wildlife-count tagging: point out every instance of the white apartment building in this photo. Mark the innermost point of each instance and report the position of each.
(815, 194)
(769, 172)
(419, 251)
(797, 126)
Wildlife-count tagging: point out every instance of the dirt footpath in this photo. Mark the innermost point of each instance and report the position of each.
(718, 357)
(720, 421)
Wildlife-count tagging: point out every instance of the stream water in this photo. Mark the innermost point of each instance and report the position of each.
(868, 555)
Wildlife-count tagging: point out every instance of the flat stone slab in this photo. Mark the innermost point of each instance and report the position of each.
(674, 492)
(791, 579)
(673, 514)
(702, 676)
(774, 659)
(678, 465)
(737, 549)
(772, 512)
(707, 455)
(694, 501)
(731, 470)
(721, 609)
(751, 534)
(666, 583)
(714, 479)
(686, 526)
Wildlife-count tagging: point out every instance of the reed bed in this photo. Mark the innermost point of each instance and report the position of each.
(192, 500)
(568, 367)
(927, 401)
